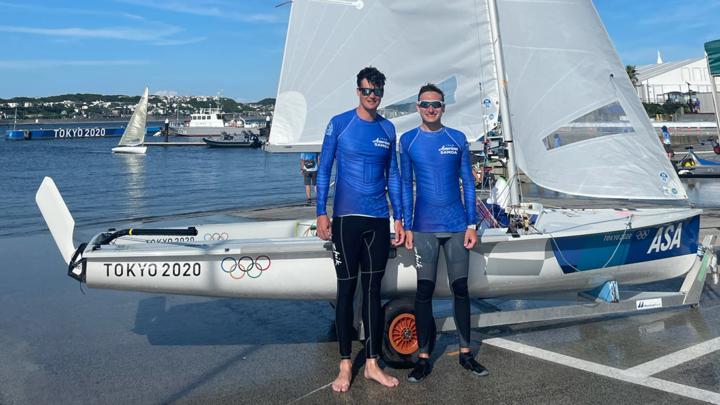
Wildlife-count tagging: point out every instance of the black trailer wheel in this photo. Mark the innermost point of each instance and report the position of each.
(400, 344)
(716, 149)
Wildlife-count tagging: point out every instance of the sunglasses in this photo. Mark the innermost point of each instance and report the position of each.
(427, 104)
(366, 91)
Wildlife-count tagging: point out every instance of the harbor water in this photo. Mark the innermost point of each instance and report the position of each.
(100, 187)
(104, 189)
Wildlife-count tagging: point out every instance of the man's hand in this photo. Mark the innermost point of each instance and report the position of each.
(408, 240)
(470, 238)
(399, 233)
(323, 227)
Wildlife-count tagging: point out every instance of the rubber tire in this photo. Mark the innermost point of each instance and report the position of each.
(391, 310)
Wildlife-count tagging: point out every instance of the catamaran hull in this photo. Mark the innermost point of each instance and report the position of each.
(301, 268)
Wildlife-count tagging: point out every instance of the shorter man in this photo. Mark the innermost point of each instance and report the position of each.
(438, 157)
(309, 163)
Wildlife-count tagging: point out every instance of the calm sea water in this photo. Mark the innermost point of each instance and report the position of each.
(100, 187)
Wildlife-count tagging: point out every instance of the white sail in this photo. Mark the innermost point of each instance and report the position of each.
(135, 132)
(565, 78)
(411, 42)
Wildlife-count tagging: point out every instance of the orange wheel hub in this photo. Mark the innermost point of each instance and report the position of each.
(403, 334)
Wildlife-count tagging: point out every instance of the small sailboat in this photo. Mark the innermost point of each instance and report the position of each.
(134, 135)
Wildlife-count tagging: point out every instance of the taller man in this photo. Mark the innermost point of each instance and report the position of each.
(438, 156)
(363, 143)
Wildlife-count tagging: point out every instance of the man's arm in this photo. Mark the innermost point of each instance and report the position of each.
(323, 181)
(406, 175)
(395, 190)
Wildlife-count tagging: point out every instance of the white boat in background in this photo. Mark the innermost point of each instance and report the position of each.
(210, 122)
(134, 135)
(562, 71)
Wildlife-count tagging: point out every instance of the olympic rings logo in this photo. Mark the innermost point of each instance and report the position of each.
(245, 264)
(640, 235)
(217, 236)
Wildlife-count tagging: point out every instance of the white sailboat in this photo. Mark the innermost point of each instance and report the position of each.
(562, 72)
(134, 135)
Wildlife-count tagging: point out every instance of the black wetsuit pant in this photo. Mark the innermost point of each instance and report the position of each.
(457, 257)
(360, 242)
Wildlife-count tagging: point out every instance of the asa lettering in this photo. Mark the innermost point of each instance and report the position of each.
(666, 238)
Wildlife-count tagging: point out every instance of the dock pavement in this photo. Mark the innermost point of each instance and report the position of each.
(62, 343)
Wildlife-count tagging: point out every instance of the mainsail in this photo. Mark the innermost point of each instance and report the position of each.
(135, 132)
(411, 42)
(567, 83)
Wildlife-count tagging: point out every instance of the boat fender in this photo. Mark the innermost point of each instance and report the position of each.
(74, 268)
(26, 134)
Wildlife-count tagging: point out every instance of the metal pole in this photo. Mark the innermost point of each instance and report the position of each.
(504, 105)
(716, 101)
(15, 123)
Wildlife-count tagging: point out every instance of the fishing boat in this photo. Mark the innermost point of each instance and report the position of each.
(243, 140)
(553, 80)
(134, 135)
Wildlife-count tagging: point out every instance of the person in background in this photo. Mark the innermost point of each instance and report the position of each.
(309, 163)
(697, 105)
(666, 142)
(558, 141)
(477, 163)
(438, 157)
(363, 143)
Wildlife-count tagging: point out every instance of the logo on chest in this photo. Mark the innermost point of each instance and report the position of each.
(383, 143)
(449, 149)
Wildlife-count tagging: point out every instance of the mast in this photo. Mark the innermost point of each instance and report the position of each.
(504, 107)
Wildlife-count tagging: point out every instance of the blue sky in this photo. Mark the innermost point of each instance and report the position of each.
(193, 47)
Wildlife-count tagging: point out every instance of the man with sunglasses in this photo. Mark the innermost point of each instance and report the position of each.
(363, 143)
(438, 156)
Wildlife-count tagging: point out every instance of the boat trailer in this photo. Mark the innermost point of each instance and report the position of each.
(400, 338)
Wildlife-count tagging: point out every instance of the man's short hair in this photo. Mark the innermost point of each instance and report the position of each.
(431, 88)
(373, 76)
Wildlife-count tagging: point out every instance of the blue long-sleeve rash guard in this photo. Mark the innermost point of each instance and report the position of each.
(366, 165)
(438, 160)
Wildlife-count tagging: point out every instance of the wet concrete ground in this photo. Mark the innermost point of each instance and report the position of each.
(60, 346)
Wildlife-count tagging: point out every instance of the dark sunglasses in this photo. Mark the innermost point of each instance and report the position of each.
(434, 104)
(366, 91)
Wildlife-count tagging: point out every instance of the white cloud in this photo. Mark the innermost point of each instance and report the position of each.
(166, 93)
(44, 63)
(206, 8)
(179, 41)
(158, 35)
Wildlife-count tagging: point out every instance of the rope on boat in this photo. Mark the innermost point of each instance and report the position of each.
(622, 238)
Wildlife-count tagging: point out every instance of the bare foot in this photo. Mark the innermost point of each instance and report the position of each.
(342, 382)
(374, 372)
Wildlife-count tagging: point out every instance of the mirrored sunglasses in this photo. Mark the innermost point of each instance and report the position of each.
(427, 104)
(366, 91)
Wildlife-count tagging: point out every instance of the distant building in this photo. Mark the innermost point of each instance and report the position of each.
(674, 82)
